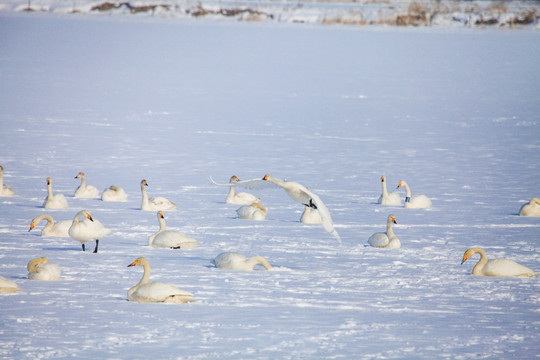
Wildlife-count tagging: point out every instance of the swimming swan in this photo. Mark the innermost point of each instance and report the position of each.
(8, 286)
(386, 198)
(386, 239)
(145, 292)
(532, 208)
(239, 198)
(310, 216)
(496, 267)
(235, 261)
(58, 229)
(54, 201)
(170, 238)
(297, 192)
(85, 191)
(416, 201)
(87, 230)
(5, 190)
(154, 203)
(254, 211)
(42, 269)
(114, 193)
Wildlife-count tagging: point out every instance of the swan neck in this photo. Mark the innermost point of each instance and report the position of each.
(83, 182)
(384, 190)
(144, 279)
(47, 217)
(162, 225)
(144, 195)
(477, 269)
(407, 190)
(231, 193)
(49, 190)
(389, 230)
(259, 260)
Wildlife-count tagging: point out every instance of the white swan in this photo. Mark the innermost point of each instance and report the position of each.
(88, 229)
(387, 198)
(114, 193)
(85, 191)
(154, 203)
(310, 216)
(145, 292)
(386, 239)
(532, 208)
(8, 286)
(235, 261)
(254, 211)
(496, 267)
(54, 201)
(416, 201)
(170, 238)
(239, 198)
(297, 192)
(5, 190)
(58, 229)
(42, 269)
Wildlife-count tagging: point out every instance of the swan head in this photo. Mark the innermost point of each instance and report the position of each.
(383, 178)
(49, 180)
(266, 177)
(392, 218)
(144, 183)
(86, 214)
(401, 183)
(32, 264)
(138, 262)
(469, 253)
(79, 175)
(160, 215)
(32, 226)
(234, 179)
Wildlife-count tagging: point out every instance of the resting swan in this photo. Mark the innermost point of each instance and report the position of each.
(58, 229)
(85, 191)
(239, 198)
(8, 286)
(54, 201)
(297, 192)
(532, 208)
(386, 198)
(496, 267)
(416, 201)
(310, 216)
(235, 261)
(87, 230)
(145, 292)
(386, 239)
(5, 190)
(154, 203)
(170, 238)
(254, 211)
(114, 193)
(42, 269)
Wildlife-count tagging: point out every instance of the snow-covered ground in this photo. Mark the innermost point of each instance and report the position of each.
(455, 112)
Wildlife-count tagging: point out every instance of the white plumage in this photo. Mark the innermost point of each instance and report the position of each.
(496, 267)
(414, 201)
(386, 239)
(154, 203)
(236, 261)
(387, 198)
(54, 201)
(170, 238)
(42, 269)
(85, 191)
(88, 229)
(53, 229)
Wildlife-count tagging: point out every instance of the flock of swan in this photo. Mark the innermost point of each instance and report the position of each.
(84, 228)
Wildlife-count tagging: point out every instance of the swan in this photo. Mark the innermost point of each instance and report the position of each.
(145, 292)
(240, 198)
(297, 192)
(87, 230)
(254, 211)
(532, 208)
(235, 261)
(5, 190)
(386, 239)
(114, 193)
(496, 267)
(310, 216)
(154, 203)
(58, 229)
(8, 286)
(416, 201)
(170, 238)
(54, 201)
(42, 269)
(386, 198)
(85, 191)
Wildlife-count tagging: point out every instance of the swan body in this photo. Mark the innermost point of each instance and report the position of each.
(146, 292)
(8, 286)
(235, 261)
(496, 267)
(387, 198)
(310, 216)
(416, 201)
(114, 193)
(54, 201)
(42, 269)
(154, 203)
(170, 238)
(5, 190)
(254, 211)
(58, 229)
(295, 191)
(532, 208)
(386, 239)
(88, 229)
(239, 198)
(85, 191)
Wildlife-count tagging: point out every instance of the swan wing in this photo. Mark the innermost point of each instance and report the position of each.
(325, 214)
(378, 240)
(253, 184)
(159, 292)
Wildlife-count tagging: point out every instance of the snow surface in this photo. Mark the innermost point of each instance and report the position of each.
(455, 112)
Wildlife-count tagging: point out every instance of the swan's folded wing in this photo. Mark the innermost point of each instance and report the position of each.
(253, 184)
(325, 215)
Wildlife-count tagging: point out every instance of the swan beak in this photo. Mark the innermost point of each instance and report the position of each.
(133, 263)
(382, 178)
(161, 215)
(31, 227)
(266, 177)
(464, 258)
(398, 186)
(89, 217)
(394, 220)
